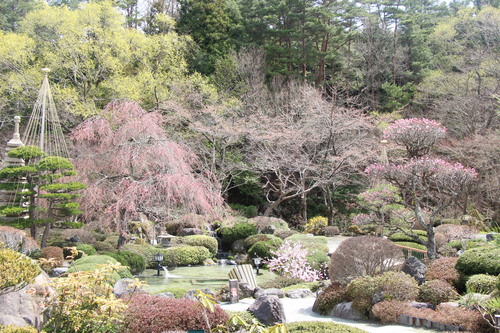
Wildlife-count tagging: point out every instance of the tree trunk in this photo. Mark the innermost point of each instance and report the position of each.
(272, 206)
(45, 235)
(431, 243)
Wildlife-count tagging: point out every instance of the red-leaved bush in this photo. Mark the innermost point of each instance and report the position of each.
(365, 255)
(53, 252)
(437, 291)
(154, 314)
(443, 269)
(17, 240)
(470, 320)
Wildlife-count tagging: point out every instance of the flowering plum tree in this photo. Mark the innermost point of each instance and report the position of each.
(430, 184)
(131, 167)
(290, 260)
(417, 135)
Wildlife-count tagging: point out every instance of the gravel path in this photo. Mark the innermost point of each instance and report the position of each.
(301, 310)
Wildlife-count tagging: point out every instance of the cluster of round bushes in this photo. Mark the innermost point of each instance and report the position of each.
(199, 240)
(133, 261)
(91, 263)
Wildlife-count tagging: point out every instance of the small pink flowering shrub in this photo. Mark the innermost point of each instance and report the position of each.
(290, 260)
(417, 135)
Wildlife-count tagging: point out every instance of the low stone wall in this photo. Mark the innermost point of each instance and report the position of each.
(420, 322)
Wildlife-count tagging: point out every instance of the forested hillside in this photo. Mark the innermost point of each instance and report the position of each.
(275, 107)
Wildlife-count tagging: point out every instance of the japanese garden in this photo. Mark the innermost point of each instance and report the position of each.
(249, 166)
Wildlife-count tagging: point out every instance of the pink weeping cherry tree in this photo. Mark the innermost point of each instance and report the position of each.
(132, 168)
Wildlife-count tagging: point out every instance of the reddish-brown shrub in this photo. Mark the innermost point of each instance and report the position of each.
(17, 240)
(53, 252)
(331, 230)
(148, 314)
(364, 255)
(470, 320)
(334, 294)
(440, 240)
(443, 269)
(437, 291)
(85, 236)
(455, 231)
(388, 311)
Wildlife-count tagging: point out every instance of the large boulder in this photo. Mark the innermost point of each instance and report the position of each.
(29, 305)
(415, 268)
(190, 231)
(124, 287)
(190, 294)
(346, 311)
(259, 292)
(299, 293)
(268, 309)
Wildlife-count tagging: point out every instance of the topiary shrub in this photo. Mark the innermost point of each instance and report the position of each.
(53, 252)
(316, 225)
(443, 269)
(334, 294)
(133, 261)
(307, 240)
(480, 260)
(148, 313)
(331, 230)
(87, 249)
(92, 263)
(263, 249)
(17, 240)
(199, 240)
(481, 283)
(401, 237)
(436, 291)
(388, 311)
(364, 255)
(237, 231)
(262, 223)
(185, 255)
(16, 270)
(145, 251)
(84, 236)
(318, 261)
(321, 327)
(388, 286)
(251, 240)
(103, 246)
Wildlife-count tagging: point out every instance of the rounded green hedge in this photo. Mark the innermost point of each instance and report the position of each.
(87, 249)
(481, 283)
(401, 237)
(321, 327)
(185, 255)
(263, 249)
(91, 263)
(135, 262)
(319, 243)
(199, 240)
(480, 260)
(240, 230)
(251, 240)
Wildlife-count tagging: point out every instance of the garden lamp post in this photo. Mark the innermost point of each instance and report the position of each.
(158, 258)
(256, 262)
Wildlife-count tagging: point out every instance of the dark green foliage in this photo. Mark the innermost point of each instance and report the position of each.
(91, 263)
(334, 294)
(480, 260)
(413, 245)
(135, 262)
(481, 283)
(401, 237)
(321, 327)
(87, 249)
(27, 153)
(185, 255)
(145, 251)
(263, 249)
(199, 240)
(239, 231)
(246, 211)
